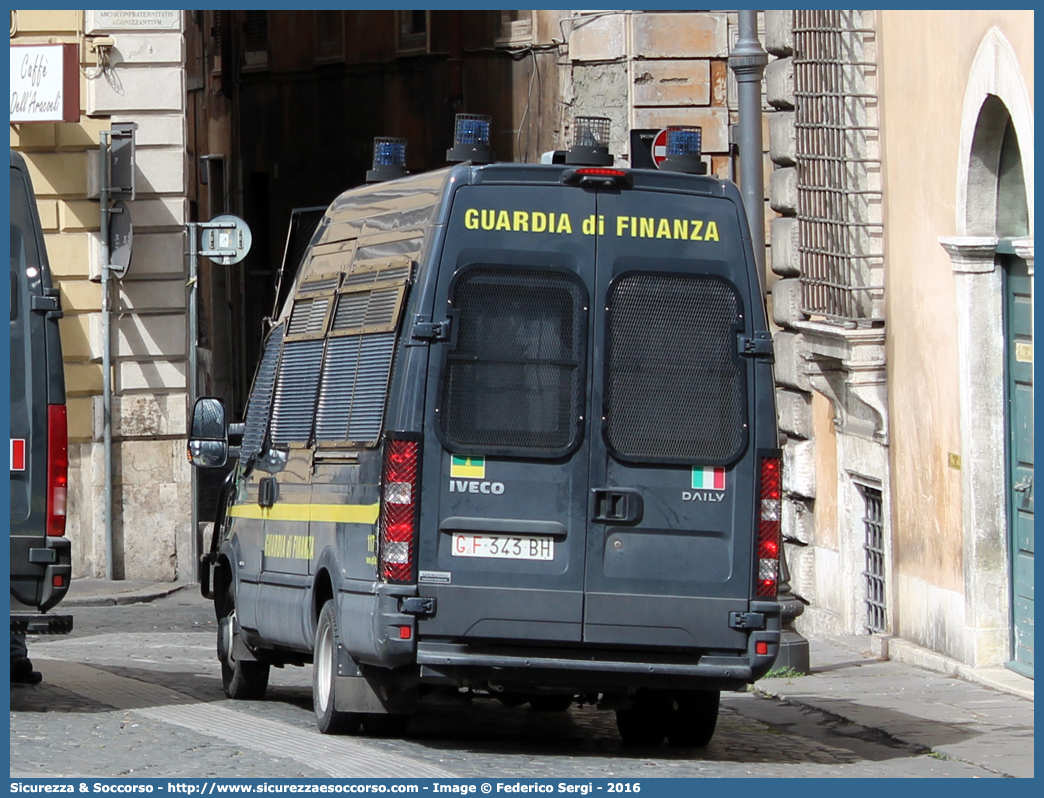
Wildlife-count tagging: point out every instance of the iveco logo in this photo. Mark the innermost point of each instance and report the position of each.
(468, 486)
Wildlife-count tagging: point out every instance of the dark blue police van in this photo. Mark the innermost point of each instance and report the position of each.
(512, 435)
(41, 559)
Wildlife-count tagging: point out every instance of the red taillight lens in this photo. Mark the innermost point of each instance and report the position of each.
(592, 171)
(770, 509)
(57, 469)
(399, 510)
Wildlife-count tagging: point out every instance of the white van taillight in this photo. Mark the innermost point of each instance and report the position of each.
(399, 510)
(770, 509)
(57, 469)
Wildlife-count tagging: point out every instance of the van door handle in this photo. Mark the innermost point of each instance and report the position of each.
(617, 506)
(267, 491)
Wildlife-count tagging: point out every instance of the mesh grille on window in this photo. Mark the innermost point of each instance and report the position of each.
(396, 274)
(296, 391)
(260, 403)
(513, 384)
(320, 284)
(354, 387)
(674, 391)
(308, 316)
(366, 309)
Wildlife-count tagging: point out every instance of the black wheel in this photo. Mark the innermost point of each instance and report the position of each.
(694, 718)
(646, 722)
(324, 677)
(550, 703)
(243, 680)
(377, 725)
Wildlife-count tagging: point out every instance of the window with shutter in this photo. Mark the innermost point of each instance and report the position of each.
(260, 404)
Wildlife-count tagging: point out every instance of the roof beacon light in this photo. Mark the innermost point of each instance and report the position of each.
(590, 143)
(389, 160)
(684, 150)
(470, 139)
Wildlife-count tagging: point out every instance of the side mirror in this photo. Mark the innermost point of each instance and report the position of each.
(208, 435)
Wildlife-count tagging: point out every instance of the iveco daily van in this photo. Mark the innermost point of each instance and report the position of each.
(41, 561)
(513, 434)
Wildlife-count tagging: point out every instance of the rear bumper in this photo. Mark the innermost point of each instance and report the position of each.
(605, 669)
(41, 624)
(463, 663)
(37, 564)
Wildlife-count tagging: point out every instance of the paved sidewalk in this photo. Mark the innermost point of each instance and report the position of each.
(947, 715)
(103, 593)
(980, 716)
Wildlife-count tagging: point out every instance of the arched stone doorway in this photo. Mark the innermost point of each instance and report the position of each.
(992, 258)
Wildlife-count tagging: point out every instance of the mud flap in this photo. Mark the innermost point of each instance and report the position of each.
(376, 693)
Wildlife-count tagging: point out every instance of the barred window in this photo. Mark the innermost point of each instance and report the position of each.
(838, 169)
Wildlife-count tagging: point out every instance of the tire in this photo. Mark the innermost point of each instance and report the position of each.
(242, 680)
(324, 677)
(646, 721)
(379, 725)
(550, 703)
(694, 718)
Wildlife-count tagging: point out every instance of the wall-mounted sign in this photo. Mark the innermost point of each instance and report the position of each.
(95, 21)
(45, 83)
(121, 239)
(225, 239)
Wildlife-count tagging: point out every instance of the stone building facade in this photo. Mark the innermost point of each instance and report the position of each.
(905, 326)
(132, 67)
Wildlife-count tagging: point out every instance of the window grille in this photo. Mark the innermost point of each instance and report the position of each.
(674, 387)
(260, 405)
(838, 168)
(874, 574)
(354, 388)
(296, 389)
(513, 384)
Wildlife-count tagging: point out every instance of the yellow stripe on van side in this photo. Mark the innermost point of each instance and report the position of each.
(331, 513)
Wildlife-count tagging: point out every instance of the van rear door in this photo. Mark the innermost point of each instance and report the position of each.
(593, 474)
(669, 545)
(39, 568)
(507, 399)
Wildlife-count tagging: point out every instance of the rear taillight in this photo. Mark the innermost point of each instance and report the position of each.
(57, 469)
(769, 514)
(399, 510)
(598, 177)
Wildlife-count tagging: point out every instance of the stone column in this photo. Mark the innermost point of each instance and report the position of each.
(980, 341)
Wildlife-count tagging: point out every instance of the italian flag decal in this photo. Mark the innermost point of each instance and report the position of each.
(467, 467)
(708, 478)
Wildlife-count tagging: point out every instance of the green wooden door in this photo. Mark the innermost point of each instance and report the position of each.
(1019, 346)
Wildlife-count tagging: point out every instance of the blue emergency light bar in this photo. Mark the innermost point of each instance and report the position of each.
(471, 139)
(684, 150)
(684, 140)
(590, 142)
(389, 152)
(389, 159)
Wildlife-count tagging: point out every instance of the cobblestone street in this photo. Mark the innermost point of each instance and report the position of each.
(136, 691)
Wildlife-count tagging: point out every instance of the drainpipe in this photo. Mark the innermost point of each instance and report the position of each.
(748, 61)
(105, 191)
